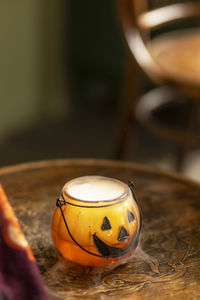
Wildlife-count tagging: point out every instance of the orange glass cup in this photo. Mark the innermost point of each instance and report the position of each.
(96, 231)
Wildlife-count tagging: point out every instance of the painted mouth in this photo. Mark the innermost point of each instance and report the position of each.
(109, 251)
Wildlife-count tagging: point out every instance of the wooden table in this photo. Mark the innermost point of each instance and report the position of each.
(166, 264)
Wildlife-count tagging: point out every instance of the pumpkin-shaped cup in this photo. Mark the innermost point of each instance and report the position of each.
(97, 221)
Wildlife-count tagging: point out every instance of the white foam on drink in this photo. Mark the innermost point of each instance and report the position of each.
(95, 188)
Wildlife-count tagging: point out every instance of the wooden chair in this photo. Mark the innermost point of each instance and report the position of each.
(171, 58)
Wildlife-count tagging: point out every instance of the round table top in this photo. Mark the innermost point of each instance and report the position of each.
(166, 265)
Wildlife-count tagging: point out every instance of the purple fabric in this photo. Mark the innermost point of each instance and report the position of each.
(20, 278)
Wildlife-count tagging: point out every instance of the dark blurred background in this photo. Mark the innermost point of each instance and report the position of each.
(62, 79)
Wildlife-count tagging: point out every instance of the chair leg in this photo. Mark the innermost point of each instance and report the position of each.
(126, 108)
(190, 124)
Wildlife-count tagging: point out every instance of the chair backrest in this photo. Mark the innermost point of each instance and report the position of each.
(138, 19)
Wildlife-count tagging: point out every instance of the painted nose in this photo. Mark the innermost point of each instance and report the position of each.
(123, 234)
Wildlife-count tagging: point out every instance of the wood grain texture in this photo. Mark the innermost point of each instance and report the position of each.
(166, 264)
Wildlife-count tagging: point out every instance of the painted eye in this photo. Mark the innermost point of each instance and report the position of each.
(131, 217)
(106, 224)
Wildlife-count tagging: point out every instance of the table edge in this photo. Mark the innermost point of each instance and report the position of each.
(93, 161)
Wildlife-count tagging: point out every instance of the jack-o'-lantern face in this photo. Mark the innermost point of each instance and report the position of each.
(114, 230)
(108, 230)
(105, 243)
